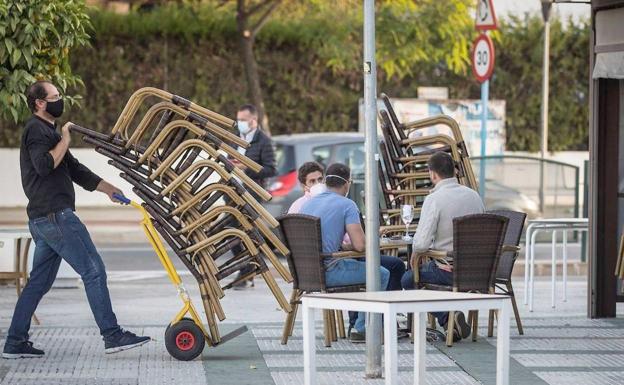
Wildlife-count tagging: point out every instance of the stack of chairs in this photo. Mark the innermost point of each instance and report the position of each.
(177, 156)
(403, 171)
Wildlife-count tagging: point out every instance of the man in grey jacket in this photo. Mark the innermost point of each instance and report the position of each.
(447, 200)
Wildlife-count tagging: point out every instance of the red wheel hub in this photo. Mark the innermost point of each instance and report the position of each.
(185, 340)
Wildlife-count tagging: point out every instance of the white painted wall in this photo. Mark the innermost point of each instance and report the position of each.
(12, 194)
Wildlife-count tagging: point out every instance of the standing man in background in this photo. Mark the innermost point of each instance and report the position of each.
(261, 151)
(48, 172)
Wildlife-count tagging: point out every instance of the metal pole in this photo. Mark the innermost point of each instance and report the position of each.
(546, 8)
(485, 90)
(373, 324)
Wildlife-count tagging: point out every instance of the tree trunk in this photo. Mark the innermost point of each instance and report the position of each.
(254, 91)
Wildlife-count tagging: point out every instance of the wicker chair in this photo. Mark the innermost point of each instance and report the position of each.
(507, 260)
(477, 244)
(302, 234)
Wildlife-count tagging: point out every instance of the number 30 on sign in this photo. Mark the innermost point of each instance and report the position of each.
(483, 58)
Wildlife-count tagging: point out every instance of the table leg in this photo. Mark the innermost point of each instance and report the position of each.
(527, 249)
(420, 323)
(565, 265)
(532, 267)
(553, 268)
(309, 346)
(502, 344)
(391, 348)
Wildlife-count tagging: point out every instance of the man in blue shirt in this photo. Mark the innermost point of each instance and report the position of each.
(340, 215)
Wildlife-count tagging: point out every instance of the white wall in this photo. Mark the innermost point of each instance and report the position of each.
(12, 194)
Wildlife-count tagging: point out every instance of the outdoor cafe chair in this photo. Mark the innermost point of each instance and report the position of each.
(477, 245)
(508, 258)
(307, 265)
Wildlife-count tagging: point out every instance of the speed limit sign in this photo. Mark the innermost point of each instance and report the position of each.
(483, 58)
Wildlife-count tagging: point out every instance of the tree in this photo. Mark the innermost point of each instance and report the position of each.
(250, 18)
(410, 34)
(37, 37)
(518, 79)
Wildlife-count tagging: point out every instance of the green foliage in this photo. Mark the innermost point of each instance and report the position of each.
(36, 38)
(309, 57)
(518, 79)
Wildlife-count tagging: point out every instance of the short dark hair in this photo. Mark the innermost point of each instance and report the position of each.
(308, 168)
(249, 107)
(442, 164)
(337, 175)
(36, 91)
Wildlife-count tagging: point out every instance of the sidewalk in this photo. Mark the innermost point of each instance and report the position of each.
(560, 346)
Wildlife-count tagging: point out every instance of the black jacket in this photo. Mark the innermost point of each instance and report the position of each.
(49, 189)
(261, 151)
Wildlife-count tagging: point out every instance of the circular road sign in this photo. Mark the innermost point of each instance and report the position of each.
(483, 58)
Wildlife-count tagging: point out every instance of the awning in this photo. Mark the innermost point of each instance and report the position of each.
(609, 65)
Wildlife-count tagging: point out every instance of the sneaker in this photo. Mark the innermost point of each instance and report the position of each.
(460, 325)
(123, 340)
(23, 350)
(433, 335)
(357, 337)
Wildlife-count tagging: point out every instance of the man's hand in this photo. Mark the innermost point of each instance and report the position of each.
(65, 134)
(58, 152)
(109, 190)
(238, 164)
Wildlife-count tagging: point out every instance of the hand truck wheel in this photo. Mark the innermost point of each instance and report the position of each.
(184, 340)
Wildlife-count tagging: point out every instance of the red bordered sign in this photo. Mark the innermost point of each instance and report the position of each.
(485, 17)
(482, 58)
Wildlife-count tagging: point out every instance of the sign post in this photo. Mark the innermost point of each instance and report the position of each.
(482, 68)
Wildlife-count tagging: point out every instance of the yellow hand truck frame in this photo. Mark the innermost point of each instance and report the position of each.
(185, 337)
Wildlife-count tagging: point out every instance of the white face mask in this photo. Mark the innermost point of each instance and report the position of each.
(243, 127)
(318, 189)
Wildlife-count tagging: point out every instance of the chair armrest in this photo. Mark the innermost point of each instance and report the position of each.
(513, 248)
(431, 254)
(344, 254)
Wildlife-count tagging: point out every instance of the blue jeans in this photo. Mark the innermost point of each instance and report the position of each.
(430, 273)
(353, 272)
(62, 236)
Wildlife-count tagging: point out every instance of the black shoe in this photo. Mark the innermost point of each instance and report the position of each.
(23, 350)
(123, 340)
(242, 285)
(433, 335)
(461, 326)
(357, 337)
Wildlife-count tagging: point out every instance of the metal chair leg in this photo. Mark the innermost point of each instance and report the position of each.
(340, 322)
(475, 324)
(432, 321)
(326, 331)
(290, 318)
(332, 324)
(491, 324)
(449, 328)
(515, 308)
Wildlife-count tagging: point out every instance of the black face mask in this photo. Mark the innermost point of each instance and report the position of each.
(55, 108)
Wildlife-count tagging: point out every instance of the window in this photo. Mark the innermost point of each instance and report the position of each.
(352, 154)
(321, 155)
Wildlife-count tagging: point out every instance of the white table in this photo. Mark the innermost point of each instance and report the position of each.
(553, 225)
(419, 302)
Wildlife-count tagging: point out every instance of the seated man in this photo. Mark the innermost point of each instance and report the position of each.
(309, 175)
(340, 215)
(447, 200)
